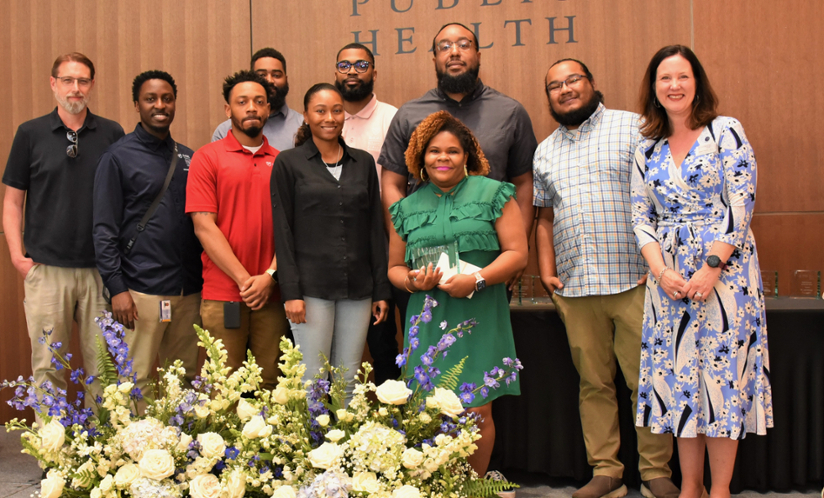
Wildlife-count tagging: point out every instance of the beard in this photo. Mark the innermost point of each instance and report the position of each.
(463, 83)
(72, 107)
(251, 131)
(356, 93)
(577, 116)
(279, 98)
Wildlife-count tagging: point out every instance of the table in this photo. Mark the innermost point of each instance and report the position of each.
(540, 431)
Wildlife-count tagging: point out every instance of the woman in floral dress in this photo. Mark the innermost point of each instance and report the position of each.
(704, 361)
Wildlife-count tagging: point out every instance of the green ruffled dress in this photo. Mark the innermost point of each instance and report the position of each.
(467, 213)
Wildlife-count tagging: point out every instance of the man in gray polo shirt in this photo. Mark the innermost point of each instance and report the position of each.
(283, 122)
(500, 123)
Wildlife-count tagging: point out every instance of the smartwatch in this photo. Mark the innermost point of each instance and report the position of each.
(715, 262)
(480, 282)
(273, 273)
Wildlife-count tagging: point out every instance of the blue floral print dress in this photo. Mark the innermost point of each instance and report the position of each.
(704, 366)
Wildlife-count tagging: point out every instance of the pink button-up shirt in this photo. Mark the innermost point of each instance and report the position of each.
(367, 129)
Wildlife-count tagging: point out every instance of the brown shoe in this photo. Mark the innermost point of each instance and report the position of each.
(661, 487)
(602, 487)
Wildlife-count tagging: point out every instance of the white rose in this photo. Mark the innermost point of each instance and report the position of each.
(411, 458)
(236, 484)
(202, 411)
(382, 411)
(432, 402)
(256, 427)
(52, 436)
(125, 387)
(323, 420)
(211, 445)
(406, 492)
(156, 464)
(425, 418)
(341, 413)
(51, 486)
(281, 395)
(393, 392)
(185, 440)
(246, 410)
(284, 492)
(430, 465)
(126, 475)
(106, 484)
(335, 435)
(325, 455)
(365, 481)
(96, 493)
(204, 486)
(448, 402)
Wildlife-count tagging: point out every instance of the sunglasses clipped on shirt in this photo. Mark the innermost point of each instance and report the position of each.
(71, 150)
(360, 66)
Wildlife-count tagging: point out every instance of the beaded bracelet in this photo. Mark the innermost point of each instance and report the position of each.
(661, 273)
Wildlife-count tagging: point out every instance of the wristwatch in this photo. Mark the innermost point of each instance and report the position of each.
(273, 273)
(715, 262)
(480, 282)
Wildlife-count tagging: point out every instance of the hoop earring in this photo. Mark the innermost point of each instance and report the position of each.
(656, 103)
(423, 175)
(466, 171)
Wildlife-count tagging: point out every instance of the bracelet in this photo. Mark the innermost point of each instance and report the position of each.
(661, 273)
(406, 284)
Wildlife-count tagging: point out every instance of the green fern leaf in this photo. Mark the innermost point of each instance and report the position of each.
(106, 371)
(487, 487)
(449, 380)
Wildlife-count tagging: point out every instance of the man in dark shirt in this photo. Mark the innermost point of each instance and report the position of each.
(500, 123)
(154, 283)
(51, 171)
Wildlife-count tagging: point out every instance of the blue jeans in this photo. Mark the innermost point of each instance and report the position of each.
(338, 330)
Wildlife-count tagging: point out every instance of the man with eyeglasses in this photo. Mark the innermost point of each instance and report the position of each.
(283, 122)
(50, 172)
(366, 121)
(150, 258)
(590, 263)
(500, 123)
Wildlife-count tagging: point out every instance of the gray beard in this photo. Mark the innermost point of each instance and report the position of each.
(72, 108)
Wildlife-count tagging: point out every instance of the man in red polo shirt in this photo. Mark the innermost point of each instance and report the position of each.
(228, 198)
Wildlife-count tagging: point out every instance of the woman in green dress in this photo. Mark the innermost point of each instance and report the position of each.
(458, 204)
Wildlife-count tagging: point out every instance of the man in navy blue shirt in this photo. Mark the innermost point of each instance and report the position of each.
(154, 285)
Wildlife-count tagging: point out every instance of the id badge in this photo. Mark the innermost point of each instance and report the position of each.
(165, 311)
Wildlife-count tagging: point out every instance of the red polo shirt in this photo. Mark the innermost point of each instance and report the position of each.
(229, 180)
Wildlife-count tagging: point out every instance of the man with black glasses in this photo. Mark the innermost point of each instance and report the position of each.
(50, 172)
(366, 122)
(500, 123)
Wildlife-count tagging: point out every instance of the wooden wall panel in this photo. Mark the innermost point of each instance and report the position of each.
(15, 353)
(615, 39)
(789, 242)
(764, 62)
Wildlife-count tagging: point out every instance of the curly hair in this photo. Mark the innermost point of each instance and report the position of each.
(476, 163)
(145, 76)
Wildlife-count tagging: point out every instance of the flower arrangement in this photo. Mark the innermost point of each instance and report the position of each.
(225, 437)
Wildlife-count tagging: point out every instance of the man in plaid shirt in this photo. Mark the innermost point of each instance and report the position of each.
(590, 264)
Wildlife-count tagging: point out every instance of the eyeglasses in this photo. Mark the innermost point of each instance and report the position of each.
(556, 86)
(71, 150)
(69, 81)
(360, 66)
(463, 45)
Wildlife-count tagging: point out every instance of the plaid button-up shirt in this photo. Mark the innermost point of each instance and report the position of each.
(584, 176)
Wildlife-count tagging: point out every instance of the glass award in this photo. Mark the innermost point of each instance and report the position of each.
(769, 281)
(423, 256)
(805, 284)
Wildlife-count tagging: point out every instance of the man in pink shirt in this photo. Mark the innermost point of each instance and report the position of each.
(365, 125)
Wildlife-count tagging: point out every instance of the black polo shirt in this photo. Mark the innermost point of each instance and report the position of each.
(165, 259)
(500, 123)
(330, 240)
(58, 229)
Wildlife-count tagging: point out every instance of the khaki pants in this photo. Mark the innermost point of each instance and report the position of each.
(259, 330)
(175, 340)
(601, 329)
(54, 297)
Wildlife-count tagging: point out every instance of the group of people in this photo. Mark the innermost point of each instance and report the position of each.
(317, 221)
